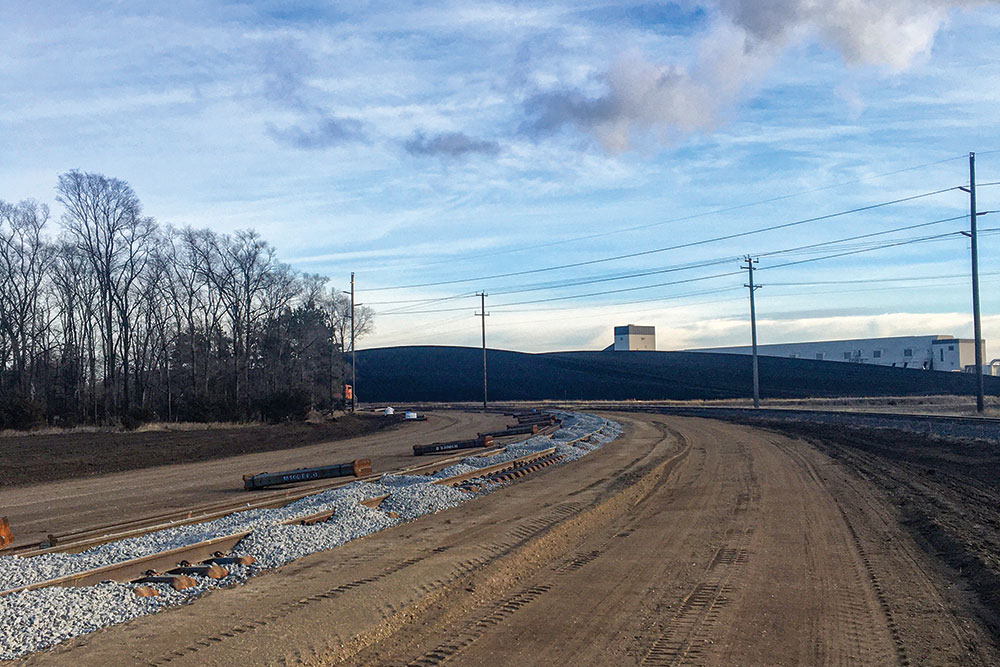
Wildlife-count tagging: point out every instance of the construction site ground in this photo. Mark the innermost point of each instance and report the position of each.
(37, 510)
(31, 458)
(685, 541)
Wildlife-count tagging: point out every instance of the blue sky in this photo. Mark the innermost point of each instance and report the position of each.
(427, 142)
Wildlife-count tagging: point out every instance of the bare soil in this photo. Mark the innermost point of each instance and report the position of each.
(686, 541)
(945, 492)
(31, 459)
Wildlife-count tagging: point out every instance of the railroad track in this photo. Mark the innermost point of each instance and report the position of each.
(208, 558)
(81, 540)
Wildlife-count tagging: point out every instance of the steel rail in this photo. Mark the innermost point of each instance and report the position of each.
(135, 568)
(76, 541)
(496, 467)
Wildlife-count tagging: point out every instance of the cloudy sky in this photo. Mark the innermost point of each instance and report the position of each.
(438, 149)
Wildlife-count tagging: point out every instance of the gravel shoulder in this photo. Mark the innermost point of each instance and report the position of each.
(685, 540)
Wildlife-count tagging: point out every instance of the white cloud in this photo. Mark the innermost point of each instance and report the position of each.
(638, 97)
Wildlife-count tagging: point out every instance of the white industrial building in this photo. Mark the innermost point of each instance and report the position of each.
(631, 337)
(939, 353)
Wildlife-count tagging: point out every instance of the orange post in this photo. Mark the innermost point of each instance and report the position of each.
(6, 534)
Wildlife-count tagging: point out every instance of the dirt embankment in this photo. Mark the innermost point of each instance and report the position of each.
(30, 459)
(945, 490)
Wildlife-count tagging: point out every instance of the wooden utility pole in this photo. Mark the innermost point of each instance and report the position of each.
(483, 314)
(354, 365)
(753, 328)
(976, 322)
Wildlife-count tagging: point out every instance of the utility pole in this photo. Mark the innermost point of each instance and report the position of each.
(976, 321)
(483, 314)
(354, 365)
(753, 327)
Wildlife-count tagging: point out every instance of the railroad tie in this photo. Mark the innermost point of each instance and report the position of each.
(210, 570)
(221, 559)
(178, 582)
(319, 518)
(146, 592)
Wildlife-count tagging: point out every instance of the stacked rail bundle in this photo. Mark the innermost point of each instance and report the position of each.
(438, 447)
(535, 418)
(358, 468)
(520, 429)
(543, 422)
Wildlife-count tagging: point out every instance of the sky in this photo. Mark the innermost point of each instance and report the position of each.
(441, 149)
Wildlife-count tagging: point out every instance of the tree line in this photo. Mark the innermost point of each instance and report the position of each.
(107, 317)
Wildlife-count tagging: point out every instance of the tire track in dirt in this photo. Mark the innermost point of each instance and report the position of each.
(733, 496)
(489, 615)
(867, 514)
(690, 628)
(849, 603)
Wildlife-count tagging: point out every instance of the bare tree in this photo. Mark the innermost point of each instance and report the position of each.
(101, 218)
(337, 306)
(25, 259)
(118, 320)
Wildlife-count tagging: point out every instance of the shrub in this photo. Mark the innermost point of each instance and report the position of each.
(284, 406)
(18, 411)
(136, 417)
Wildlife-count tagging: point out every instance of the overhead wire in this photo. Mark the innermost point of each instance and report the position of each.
(857, 252)
(710, 277)
(680, 246)
(706, 263)
(879, 279)
(693, 216)
(721, 260)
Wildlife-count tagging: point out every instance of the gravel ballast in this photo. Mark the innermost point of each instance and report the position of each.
(35, 620)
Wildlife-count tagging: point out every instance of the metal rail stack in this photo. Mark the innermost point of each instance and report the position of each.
(263, 480)
(439, 447)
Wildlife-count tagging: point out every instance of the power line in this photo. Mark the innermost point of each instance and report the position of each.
(857, 252)
(879, 279)
(658, 299)
(706, 263)
(723, 260)
(581, 296)
(711, 277)
(695, 216)
(627, 276)
(429, 300)
(864, 236)
(690, 244)
(868, 289)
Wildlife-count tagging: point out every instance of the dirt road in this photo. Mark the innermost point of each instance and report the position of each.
(55, 507)
(684, 542)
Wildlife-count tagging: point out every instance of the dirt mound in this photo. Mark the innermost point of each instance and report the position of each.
(451, 374)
